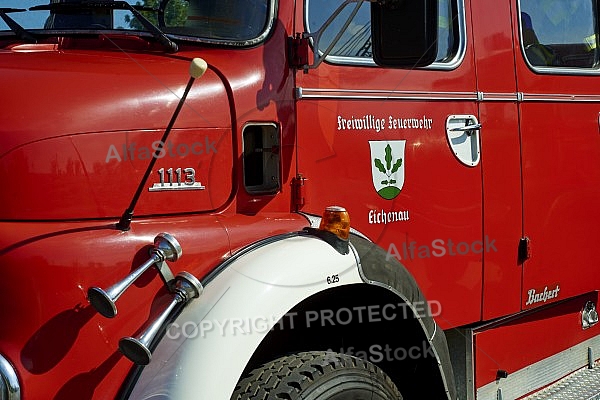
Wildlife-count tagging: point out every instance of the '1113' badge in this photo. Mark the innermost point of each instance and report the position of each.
(176, 179)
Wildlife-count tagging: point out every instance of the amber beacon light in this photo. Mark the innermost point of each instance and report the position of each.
(337, 221)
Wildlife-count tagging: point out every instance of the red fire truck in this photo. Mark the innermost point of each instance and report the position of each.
(318, 199)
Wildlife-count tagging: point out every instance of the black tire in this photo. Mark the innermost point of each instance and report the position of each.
(316, 375)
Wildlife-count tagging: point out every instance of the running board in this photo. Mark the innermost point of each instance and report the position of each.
(561, 371)
(583, 384)
(523, 355)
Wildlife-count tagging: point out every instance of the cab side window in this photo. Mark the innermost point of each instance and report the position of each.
(355, 42)
(559, 33)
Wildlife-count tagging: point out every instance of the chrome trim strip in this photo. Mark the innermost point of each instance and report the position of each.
(157, 187)
(563, 70)
(311, 93)
(561, 97)
(10, 379)
(499, 96)
(244, 250)
(541, 373)
(370, 94)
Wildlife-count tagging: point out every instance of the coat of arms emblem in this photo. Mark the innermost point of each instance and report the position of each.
(387, 166)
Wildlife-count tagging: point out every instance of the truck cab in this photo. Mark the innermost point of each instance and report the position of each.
(299, 199)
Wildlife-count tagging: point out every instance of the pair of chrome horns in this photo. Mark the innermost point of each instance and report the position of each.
(185, 287)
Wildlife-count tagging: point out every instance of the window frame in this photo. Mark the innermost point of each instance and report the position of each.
(559, 70)
(450, 64)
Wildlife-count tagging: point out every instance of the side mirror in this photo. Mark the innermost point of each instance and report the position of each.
(404, 32)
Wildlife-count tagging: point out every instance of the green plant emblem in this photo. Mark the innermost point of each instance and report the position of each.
(389, 191)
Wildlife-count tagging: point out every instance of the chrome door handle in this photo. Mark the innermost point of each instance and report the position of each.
(466, 128)
(462, 132)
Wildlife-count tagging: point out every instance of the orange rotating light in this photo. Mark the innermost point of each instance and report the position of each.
(337, 221)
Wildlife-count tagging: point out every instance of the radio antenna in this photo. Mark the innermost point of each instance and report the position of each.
(197, 68)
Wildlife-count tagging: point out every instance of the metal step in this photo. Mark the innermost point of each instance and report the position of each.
(583, 384)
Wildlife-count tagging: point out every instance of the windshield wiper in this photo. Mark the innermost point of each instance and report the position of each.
(160, 36)
(14, 25)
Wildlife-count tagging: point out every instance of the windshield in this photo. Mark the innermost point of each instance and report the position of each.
(237, 22)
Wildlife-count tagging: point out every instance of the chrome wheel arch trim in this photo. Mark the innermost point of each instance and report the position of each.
(204, 347)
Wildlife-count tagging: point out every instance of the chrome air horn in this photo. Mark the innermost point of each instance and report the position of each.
(185, 288)
(166, 248)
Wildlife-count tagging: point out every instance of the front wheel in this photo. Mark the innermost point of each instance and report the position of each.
(317, 375)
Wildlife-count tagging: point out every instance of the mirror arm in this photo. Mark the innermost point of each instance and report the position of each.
(316, 36)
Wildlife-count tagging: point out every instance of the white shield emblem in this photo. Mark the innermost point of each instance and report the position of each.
(387, 166)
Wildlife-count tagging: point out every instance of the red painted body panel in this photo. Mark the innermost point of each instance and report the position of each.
(531, 164)
(441, 195)
(95, 175)
(91, 148)
(561, 194)
(561, 149)
(501, 159)
(76, 89)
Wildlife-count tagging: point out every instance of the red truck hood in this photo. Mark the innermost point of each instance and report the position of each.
(79, 128)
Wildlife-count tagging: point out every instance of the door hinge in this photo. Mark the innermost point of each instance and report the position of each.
(299, 191)
(524, 252)
(298, 51)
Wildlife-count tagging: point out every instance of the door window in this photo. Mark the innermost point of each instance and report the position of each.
(559, 33)
(355, 42)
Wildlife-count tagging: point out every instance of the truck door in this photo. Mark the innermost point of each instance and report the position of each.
(502, 208)
(557, 65)
(395, 148)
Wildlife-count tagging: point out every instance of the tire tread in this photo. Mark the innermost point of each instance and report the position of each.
(284, 378)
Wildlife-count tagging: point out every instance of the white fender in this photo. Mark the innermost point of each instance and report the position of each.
(204, 352)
